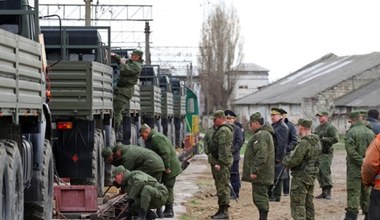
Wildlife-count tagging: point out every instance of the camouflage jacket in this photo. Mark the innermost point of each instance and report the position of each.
(328, 135)
(220, 146)
(356, 141)
(129, 73)
(303, 160)
(139, 158)
(134, 182)
(259, 157)
(160, 144)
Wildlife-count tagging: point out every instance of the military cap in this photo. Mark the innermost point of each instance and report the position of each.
(229, 113)
(218, 114)
(137, 52)
(354, 114)
(322, 114)
(143, 128)
(117, 170)
(304, 123)
(283, 111)
(255, 117)
(276, 111)
(106, 152)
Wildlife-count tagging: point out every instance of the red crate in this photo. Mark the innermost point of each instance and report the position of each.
(76, 198)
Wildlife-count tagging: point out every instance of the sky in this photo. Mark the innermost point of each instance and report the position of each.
(279, 35)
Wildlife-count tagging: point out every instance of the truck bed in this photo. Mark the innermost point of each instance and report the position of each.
(22, 82)
(81, 89)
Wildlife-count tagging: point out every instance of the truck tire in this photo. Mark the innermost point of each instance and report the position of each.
(16, 180)
(5, 204)
(98, 162)
(42, 183)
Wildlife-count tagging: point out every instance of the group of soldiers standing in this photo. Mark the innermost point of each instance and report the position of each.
(276, 148)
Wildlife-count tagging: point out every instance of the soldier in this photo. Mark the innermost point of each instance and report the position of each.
(129, 74)
(303, 162)
(328, 135)
(237, 143)
(292, 140)
(356, 141)
(160, 144)
(144, 192)
(373, 118)
(258, 166)
(281, 136)
(135, 158)
(371, 177)
(220, 159)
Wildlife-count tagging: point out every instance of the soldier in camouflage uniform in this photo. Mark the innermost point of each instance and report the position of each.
(328, 135)
(160, 144)
(303, 162)
(220, 159)
(129, 74)
(144, 192)
(357, 139)
(258, 166)
(133, 157)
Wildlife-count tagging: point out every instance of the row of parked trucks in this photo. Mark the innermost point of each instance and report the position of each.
(56, 109)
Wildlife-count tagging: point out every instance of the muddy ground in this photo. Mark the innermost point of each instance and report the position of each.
(195, 195)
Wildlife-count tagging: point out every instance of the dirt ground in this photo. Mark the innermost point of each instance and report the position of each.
(195, 195)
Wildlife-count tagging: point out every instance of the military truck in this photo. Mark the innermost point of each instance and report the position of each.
(26, 160)
(81, 105)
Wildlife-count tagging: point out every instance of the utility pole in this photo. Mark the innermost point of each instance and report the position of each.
(88, 13)
(147, 49)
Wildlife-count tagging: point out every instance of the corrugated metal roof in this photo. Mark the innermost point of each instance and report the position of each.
(371, 93)
(250, 67)
(312, 79)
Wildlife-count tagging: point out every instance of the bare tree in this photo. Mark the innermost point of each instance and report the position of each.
(220, 48)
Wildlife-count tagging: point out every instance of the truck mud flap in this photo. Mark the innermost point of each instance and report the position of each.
(27, 160)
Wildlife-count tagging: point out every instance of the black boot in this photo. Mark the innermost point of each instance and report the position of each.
(168, 212)
(159, 213)
(322, 195)
(328, 193)
(263, 215)
(351, 216)
(151, 215)
(142, 215)
(365, 215)
(223, 214)
(217, 213)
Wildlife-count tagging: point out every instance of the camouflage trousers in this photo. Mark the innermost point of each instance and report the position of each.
(260, 196)
(324, 175)
(120, 101)
(222, 181)
(301, 199)
(169, 183)
(151, 197)
(357, 195)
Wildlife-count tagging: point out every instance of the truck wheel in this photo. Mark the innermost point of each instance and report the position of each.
(98, 162)
(42, 187)
(16, 179)
(5, 204)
